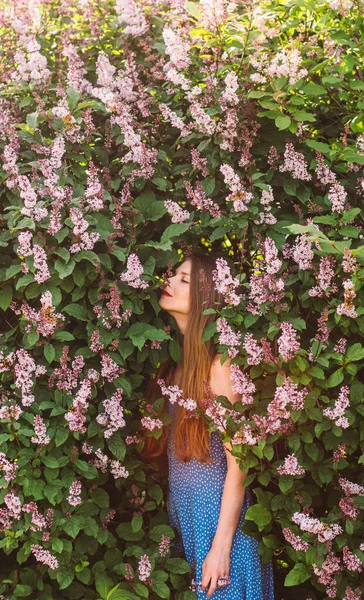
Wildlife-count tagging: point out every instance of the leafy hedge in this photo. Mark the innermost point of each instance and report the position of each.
(250, 117)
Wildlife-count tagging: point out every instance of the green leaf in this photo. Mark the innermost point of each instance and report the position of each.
(302, 115)
(313, 89)
(77, 311)
(64, 269)
(117, 446)
(73, 525)
(61, 436)
(259, 515)
(355, 352)
(208, 185)
(209, 331)
(136, 523)
(156, 532)
(336, 378)
(6, 296)
(177, 565)
(156, 493)
(174, 231)
(100, 497)
(49, 353)
(299, 574)
(320, 146)
(103, 584)
(64, 577)
(161, 589)
(283, 122)
(72, 98)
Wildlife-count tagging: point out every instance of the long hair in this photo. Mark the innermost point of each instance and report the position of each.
(192, 439)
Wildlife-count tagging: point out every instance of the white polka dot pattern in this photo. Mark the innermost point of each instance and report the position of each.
(195, 491)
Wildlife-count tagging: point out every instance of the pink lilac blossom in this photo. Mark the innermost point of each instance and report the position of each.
(94, 193)
(176, 77)
(278, 408)
(324, 174)
(31, 65)
(273, 264)
(339, 453)
(351, 561)
(174, 395)
(13, 504)
(175, 120)
(294, 163)
(325, 278)
(228, 337)
(113, 417)
(229, 96)
(74, 497)
(86, 240)
(251, 346)
(118, 470)
(46, 319)
(291, 466)
(44, 556)
(349, 263)
(76, 416)
(132, 439)
(337, 197)
(348, 507)
(302, 252)
(109, 517)
(151, 424)
(330, 567)
(349, 593)
(178, 214)
(133, 272)
(198, 162)
(350, 488)
(204, 122)
(10, 413)
(294, 540)
(325, 532)
(164, 545)
(144, 568)
(323, 333)
(128, 12)
(288, 345)
(110, 370)
(40, 264)
(199, 199)
(347, 308)
(240, 197)
(25, 369)
(177, 48)
(338, 411)
(40, 431)
(225, 283)
(286, 63)
(243, 385)
(8, 467)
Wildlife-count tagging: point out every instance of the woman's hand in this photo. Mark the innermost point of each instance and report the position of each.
(216, 564)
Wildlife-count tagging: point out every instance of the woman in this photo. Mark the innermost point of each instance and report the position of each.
(207, 501)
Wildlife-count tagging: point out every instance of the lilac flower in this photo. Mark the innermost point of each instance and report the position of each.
(151, 424)
(174, 394)
(243, 385)
(349, 263)
(324, 174)
(273, 264)
(198, 162)
(199, 199)
(294, 163)
(302, 252)
(227, 337)
(40, 431)
(24, 370)
(110, 370)
(330, 567)
(86, 240)
(164, 545)
(118, 470)
(325, 277)
(338, 411)
(178, 214)
(325, 532)
(337, 196)
(113, 417)
(40, 264)
(347, 308)
(128, 12)
(288, 346)
(252, 348)
(13, 504)
(351, 489)
(291, 466)
(31, 65)
(76, 415)
(144, 568)
(225, 283)
(294, 540)
(44, 556)
(339, 453)
(177, 48)
(215, 13)
(349, 593)
(348, 507)
(240, 197)
(10, 413)
(229, 94)
(74, 497)
(351, 561)
(132, 275)
(7, 466)
(176, 121)
(176, 77)
(94, 193)
(204, 122)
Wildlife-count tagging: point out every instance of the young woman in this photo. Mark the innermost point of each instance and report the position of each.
(207, 501)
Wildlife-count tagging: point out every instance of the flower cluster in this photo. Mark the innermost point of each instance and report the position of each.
(178, 214)
(347, 308)
(225, 283)
(44, 556)
(74, 497)
(294, 540)
(338, 411)
(40, 431)
(251, 347)
(227, 337)
(113, 417)
(239, 196)
(324, 531)
(291, 466)
(133, 273)
(288, 345)
(175, 395)
(294, 163)
(144, 568)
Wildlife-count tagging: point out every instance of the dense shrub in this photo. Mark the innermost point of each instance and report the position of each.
(129, 135)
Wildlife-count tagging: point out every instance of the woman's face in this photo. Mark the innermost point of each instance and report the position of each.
(175, 297)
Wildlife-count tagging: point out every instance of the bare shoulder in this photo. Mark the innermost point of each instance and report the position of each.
(220, 379)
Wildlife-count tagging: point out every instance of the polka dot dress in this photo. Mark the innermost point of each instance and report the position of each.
(195, 492)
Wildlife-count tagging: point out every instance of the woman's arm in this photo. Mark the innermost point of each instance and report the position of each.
(217, 561)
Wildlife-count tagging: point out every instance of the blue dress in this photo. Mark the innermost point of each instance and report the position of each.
(195, 492)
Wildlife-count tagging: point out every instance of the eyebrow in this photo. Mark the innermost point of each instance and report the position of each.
(183, 273)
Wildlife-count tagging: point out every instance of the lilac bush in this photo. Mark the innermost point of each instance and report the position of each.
(132, 132)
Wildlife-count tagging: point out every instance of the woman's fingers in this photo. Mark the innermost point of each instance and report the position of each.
(205, 580)
(212, 587)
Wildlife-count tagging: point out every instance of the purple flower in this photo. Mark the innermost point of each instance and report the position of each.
(291, 466)
(287, 343)
(132, 275)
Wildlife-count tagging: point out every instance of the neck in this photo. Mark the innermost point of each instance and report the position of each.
(182, 322)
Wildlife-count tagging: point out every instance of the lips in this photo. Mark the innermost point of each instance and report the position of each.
(164, 293)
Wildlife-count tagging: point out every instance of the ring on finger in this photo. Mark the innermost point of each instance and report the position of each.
(223, 580)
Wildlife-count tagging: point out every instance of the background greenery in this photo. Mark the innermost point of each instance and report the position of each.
(123, 157)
